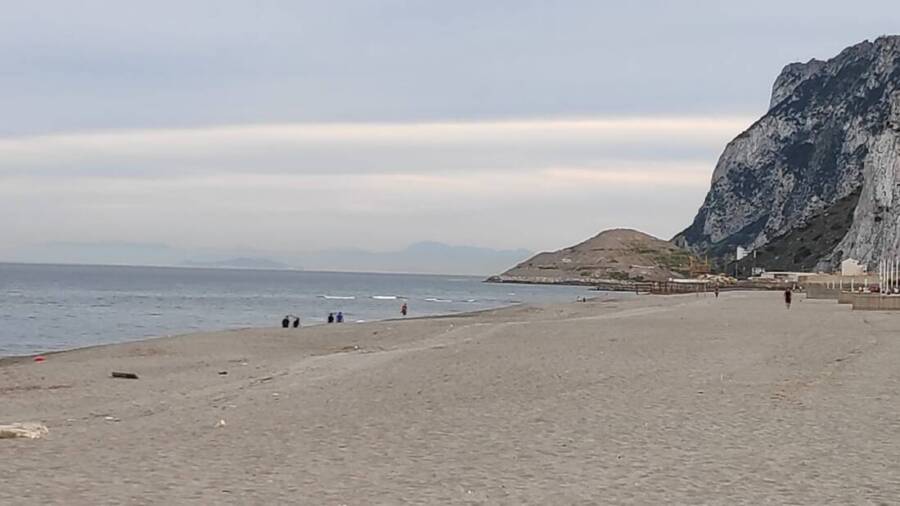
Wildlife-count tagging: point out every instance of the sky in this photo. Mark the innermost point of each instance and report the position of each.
(301, 126)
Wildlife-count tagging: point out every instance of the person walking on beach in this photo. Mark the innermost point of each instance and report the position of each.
(403, 309)
(716, 289)
(296, 322)
(787, 297)
(340, 317)
(285, 322)
(330, 317)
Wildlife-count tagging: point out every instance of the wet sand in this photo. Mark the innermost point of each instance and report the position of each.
(682, 399)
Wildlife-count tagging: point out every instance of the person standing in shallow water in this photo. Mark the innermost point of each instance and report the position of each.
(403, 309)
(787, 297)
(330, 317)
(340, 317)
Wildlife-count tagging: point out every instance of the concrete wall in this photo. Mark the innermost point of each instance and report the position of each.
(847, 297)
(875, 302)
(856, 281)
(817, 291)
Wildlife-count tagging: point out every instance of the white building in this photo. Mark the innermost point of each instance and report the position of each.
(851, 267)
(792, 277)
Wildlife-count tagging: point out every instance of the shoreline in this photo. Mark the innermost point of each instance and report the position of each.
(13, 359)
(5, 359)
(82, 314)
(10, 360)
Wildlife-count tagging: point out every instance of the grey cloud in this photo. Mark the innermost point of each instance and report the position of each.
(371, 149)
(100, 64)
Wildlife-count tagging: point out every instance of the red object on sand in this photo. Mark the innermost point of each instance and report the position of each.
(39, 358)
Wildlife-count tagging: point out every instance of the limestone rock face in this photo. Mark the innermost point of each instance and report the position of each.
(790, 77)
(832, 131)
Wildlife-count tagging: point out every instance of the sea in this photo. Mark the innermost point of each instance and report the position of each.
(57, 307)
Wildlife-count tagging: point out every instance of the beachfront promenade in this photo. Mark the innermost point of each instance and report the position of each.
(649, 400)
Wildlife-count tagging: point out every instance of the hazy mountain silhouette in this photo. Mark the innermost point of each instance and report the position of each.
(421, 257)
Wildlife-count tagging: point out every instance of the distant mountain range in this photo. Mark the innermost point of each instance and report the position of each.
(421, 257)
(240, 263)
(427, 257)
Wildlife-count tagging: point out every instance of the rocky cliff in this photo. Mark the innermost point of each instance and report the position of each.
(611, 256)
(815, 180)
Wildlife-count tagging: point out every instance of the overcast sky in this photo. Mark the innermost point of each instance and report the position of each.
(293, 126)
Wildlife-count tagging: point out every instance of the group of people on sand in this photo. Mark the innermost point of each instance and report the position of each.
(294, 321)
(290, 321)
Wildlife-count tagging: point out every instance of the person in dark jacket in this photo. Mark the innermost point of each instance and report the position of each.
(330, 317)
(285, 322)
(787, 297)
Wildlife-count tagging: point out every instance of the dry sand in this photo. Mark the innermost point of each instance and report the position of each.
(646, 401)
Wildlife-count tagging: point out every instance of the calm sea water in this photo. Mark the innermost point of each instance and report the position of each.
(53, 307)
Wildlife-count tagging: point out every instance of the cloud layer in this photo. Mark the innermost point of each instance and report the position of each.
(306, 186)
(304, 125)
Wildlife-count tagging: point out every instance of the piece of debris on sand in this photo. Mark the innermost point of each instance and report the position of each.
(124, 375)
(23, 430)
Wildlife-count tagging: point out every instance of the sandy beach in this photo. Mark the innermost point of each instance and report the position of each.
(650, 400)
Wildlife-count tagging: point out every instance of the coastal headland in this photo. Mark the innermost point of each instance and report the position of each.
(681, 399)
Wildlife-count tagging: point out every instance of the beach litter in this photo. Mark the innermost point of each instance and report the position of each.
(223, 373)
(23, 430)
(112, 419)
(124, 375)
(40, 358)
(221, 423)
